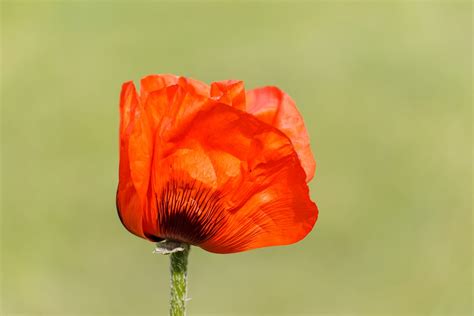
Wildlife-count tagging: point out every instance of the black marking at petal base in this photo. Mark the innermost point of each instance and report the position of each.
(189, 212)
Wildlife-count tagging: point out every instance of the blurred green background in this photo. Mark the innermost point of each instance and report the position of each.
(385, 90)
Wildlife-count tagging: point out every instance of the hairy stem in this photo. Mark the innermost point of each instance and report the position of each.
(178, 270)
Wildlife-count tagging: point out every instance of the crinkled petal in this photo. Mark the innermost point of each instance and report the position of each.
(274, 107)
(240, 181)
(230, 92)
(157, 82)
(196, 168)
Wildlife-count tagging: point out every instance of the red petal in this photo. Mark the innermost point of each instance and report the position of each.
(274, 107)
(129, 206)
(157, 82)
(209, 174)
(263, 198)
(230, 92)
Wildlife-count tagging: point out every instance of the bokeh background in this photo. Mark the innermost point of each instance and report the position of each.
(385, 90)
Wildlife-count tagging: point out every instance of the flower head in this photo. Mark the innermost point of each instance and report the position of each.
(214, 166)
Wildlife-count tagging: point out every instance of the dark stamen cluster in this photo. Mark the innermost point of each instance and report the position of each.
(189, 212)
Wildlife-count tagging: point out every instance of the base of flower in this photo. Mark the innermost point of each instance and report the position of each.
(167, 247)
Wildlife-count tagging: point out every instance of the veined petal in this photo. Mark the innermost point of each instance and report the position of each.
(274, 107)
(195, 167)
(236, 186)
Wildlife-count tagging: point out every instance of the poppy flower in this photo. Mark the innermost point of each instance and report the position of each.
(213, 166)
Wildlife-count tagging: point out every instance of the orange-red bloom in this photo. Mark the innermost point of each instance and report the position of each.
(214, 166)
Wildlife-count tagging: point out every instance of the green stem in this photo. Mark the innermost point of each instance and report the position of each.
(178, 270)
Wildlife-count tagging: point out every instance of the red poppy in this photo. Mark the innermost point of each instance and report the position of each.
(217, 167)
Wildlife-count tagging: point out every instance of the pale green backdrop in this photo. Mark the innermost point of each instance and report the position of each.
(385, 90)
